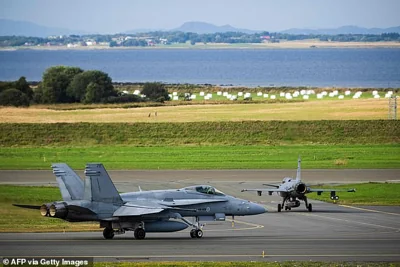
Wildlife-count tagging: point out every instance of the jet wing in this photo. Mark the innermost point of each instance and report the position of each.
(139, 208)
(188, 202)
(319, 191)
(135, 211)
(272, 185)
(269, 190)
(265, 190)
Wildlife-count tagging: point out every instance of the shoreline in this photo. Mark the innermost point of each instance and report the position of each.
(309, 44)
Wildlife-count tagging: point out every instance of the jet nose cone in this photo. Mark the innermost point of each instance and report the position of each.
(257, 209)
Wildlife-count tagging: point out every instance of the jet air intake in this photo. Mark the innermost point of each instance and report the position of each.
(301, 188)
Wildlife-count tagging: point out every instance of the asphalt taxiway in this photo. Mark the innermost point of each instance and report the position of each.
(330, 233)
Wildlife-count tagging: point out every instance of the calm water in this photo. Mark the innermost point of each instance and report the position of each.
(292, 67)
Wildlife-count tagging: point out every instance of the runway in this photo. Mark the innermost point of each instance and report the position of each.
(330, 233)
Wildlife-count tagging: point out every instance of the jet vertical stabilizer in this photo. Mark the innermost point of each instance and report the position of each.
(298, 174)
(98, 185)
(70, 184)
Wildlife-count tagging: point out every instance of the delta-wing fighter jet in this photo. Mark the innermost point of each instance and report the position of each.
(96, 199)
(294, 190)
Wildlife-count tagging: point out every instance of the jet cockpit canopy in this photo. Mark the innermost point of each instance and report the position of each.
(205, 189)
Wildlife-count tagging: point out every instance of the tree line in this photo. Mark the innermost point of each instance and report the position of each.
(62, 84)
(161, 37)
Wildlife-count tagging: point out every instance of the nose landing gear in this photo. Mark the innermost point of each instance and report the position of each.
(196, 233)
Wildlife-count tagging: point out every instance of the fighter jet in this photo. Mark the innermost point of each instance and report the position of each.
(97, 199)
(294, 190)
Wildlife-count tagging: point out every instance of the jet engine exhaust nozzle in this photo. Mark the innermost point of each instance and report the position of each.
(58, 210)
(44, 209)
(301, 188)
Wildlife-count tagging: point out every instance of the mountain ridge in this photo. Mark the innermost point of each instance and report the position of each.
(347, 29)
(24, 28)
(204, 27)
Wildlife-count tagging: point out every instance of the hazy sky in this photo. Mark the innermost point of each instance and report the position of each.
(111, 16)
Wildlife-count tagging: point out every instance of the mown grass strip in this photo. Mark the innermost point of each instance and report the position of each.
(366, 194)
(200, 133)
(205, 157)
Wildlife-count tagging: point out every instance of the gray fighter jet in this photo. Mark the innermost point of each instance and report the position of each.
(293, 190)
(96, 199)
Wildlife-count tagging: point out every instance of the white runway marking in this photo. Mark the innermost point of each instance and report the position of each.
(364, 209)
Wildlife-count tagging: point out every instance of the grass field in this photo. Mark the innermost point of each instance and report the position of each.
(203, 145)
(354, 109)
(366, 194)
(205, 157)
(14, 219)
(261, 133)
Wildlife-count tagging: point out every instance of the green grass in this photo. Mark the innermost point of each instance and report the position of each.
(366, 194)
(333, 132)
(205, 157)
(14, 219)
(202, 145)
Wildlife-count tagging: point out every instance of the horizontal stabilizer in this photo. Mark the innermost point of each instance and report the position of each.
(33, 207)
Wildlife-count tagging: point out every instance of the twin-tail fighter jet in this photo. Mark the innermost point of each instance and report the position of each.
(97, 199)
(294, 190)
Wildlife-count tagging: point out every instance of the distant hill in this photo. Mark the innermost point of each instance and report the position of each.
(23, 28)
(203, 27)
(343, 30)
(144, 31)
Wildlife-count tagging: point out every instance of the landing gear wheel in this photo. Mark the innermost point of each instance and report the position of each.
(309, 207)
(193, 233)
(279, 207)
(198, 233)
(139, 233)
(108, 233)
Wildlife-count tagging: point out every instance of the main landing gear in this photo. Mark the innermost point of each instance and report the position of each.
(139, 232)
(308, 206)
(108, 233)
